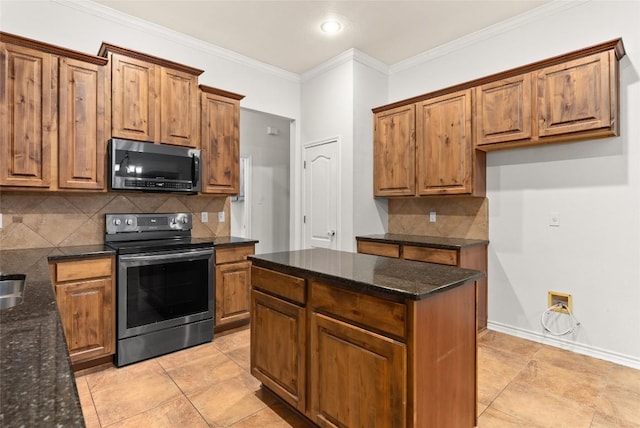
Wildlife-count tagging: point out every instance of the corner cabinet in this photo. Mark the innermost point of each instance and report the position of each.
(152, 99)
(85, 293)
(232, 286)
(220, 139)
(53, 114)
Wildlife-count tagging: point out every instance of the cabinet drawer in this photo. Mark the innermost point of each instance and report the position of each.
(82, 269)
(379, 249)
(431, 255)
(370, 312)
(233, 254)
(287, 286)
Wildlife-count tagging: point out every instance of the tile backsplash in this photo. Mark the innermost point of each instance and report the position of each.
(456, 217)
(46, 219)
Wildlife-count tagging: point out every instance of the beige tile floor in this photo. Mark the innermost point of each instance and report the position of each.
(520, 384)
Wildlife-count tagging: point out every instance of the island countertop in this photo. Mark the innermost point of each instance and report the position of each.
(369, 274)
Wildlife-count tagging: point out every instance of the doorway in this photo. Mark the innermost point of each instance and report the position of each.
(321, 194)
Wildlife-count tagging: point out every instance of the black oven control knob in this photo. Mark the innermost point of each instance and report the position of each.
(116, 221)
(185, 220)
(128, 222)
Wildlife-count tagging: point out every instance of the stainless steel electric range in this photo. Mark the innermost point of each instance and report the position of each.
(164, 283)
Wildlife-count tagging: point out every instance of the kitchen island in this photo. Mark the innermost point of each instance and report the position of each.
(360, 340)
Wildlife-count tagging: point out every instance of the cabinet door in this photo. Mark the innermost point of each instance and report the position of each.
(87, 313)
(135, 106)
(394, 152)
(28, 113)
(278, 359)
(220, 144)
(575, 96)
(233, 292)
(178, 108)
(358, 378)
(82, 143)
(444, 145)
(503, 110)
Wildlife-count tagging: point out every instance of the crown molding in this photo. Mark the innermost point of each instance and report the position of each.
(501, 27)
(343, 58)
(132, 22)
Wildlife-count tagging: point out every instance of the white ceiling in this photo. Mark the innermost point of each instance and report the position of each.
(286, 34)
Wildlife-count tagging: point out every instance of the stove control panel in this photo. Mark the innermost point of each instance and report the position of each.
(142, 223)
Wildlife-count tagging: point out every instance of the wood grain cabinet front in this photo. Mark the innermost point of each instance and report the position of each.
(232, 286)
(152, 99)
(279, 347)
(53, 116)
(394, 143)
(28, 105)
(220, 122)
(85, 293)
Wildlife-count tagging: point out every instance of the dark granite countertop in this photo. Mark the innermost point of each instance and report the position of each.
(423, 241)
(369, 274)
(227, 241)
(37, 385)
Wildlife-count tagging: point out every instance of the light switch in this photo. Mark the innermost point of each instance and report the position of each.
(554, 219)
(204, 217)
(0, 221)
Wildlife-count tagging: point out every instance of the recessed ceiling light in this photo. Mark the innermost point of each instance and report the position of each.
(330, 27)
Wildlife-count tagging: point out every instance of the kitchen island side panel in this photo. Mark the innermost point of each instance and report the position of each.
(442, 366)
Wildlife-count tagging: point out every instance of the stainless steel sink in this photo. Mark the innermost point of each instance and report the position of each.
(11, 290)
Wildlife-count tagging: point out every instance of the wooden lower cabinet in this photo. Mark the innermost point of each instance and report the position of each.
(278, 347)
(85, 293)
(232, 286)
(348, 359)
(366, 386)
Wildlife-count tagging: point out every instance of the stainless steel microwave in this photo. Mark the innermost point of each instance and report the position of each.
(136, 165)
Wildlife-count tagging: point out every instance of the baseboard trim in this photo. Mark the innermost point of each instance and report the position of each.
(579, 348)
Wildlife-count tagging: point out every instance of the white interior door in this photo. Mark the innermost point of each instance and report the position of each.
(321, 195)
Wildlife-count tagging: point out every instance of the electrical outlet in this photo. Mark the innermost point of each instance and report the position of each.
(221, 216)
(0, 221)
(553, 298)
(204, 217)
(432, 217)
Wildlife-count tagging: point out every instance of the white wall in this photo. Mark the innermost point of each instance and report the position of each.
(370, 216)
(337, 98)
(327, 113)
(594, 185)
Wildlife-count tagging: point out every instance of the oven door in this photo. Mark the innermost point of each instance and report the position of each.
(164, 289)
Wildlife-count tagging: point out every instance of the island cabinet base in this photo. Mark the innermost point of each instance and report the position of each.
(348, 358)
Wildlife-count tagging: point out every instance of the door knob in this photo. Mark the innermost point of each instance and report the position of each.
(331, 233)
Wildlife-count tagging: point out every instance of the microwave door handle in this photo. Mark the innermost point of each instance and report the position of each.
(195, 170)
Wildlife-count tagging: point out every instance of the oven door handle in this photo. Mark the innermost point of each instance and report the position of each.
(173, 256)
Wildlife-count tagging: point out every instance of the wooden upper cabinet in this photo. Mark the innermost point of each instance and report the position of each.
(394, 143)
(83, 121)
(179, 108)
(444, 145)
(53, 116)
(134, 98)
(504, 110)
(220, 140)
(28, 114)
(576, 96)
(152, 99)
